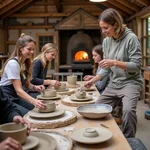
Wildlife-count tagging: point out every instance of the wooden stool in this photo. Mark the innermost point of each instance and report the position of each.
(146, 93)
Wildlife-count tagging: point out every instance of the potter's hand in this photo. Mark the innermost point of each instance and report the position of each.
(39, 88)
(87, 77)
(39, 104)
(88, 84)
(10, 144)
(106, 63)
(55, 83)
(19, 119)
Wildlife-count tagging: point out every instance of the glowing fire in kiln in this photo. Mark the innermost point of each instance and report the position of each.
(81, 55)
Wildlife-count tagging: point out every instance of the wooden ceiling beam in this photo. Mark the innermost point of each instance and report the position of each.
(108, 5)
(10, 6)
(144, 2)
(3, 3)
(58, 5)
(122, 7)
(14, 9)
(37, 15)
(129, 5)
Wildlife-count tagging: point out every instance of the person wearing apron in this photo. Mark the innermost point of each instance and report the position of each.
(41, 64)
(16, 74)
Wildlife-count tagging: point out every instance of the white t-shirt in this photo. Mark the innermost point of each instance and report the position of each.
(11, 71)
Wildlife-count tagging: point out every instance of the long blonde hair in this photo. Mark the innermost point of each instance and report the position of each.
(49, 47)
(21, 43)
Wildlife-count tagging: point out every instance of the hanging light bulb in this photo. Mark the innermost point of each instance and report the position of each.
(98, 0)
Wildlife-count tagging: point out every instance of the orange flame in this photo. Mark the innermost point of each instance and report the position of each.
(81, 55)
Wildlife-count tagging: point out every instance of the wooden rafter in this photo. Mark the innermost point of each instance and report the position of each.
(58, 5)
(37, 15)
(3, 3)
(108, 5)
(144, 2)
(17, 7)
(10, 6)
(129, 5)
(122, 7)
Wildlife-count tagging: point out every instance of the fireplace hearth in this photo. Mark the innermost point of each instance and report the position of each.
(79, 51)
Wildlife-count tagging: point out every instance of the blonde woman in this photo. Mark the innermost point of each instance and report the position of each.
(16, 74)
(41, 64)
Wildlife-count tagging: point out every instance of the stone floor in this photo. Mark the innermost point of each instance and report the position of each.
(143, 125)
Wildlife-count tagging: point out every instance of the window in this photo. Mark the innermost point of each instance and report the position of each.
(146, 41)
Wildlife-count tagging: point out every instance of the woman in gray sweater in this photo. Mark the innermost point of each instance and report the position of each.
(122, 61)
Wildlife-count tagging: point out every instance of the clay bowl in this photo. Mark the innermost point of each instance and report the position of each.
(48, 93)
(94, 111)
(90, 132)
(61, 87)
(50, 107)
(72, 80)
(15, 131)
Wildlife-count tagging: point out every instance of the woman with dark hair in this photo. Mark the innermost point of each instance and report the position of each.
(16, 74)
(98, 56)
(122, 61)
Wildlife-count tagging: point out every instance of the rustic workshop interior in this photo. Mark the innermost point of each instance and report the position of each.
(72, 25)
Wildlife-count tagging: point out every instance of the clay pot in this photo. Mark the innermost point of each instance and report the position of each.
(61, 87)
(48, 93)
(50, 106)
(90, 132)
(15, 131)
(72, 80)
(80, 94)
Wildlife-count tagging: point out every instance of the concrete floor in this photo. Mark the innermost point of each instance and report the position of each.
(143, 125)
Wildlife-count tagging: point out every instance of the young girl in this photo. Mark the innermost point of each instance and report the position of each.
(16, 73)
(98, 56)
(41, 65)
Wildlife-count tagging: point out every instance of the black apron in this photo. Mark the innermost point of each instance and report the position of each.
(10, 93)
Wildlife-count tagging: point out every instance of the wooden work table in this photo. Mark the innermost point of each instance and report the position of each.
(117, 142)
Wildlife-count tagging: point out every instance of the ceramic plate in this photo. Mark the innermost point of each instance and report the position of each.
(62, 90)
(46, 142)
(74, 98)
(103, 135)
(94, 111)
(35, 114)
(48, 98)
(31, 142)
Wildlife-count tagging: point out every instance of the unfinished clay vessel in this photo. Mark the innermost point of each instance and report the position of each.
(72, 79)
(50, 107)
(15, 131)
(48, 93)
(61, 87)
(90, 132)
(80, 94)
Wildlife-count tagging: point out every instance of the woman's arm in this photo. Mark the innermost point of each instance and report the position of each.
(92, 81)
(21, 93)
